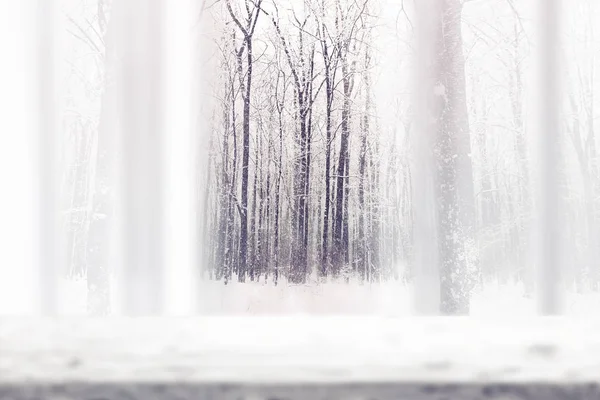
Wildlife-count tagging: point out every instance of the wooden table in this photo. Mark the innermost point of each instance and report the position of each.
(299, 357)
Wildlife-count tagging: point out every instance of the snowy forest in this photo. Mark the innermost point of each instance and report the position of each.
(315, 169)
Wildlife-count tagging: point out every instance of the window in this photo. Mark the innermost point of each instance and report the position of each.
(242, 157)
(309, 156)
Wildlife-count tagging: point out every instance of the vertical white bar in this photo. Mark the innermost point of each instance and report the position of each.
(18, 144)
(140, 91)
(426, 297)
(47, 156)
(550, 207)
(204, 68)
(181, 279)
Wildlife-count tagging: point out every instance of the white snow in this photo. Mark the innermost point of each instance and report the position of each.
(392, 298)
(439, 90)
(263, 345)
(274, 350)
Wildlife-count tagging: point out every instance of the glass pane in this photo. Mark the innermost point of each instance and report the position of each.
(303, 156)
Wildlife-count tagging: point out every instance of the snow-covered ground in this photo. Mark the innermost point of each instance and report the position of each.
(391, 298)
(500, 353)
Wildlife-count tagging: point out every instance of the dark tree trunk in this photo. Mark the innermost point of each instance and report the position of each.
(299, 251)
(309, 111)
(361, 241)
(327, 61)
(340, 249)
(243, 257)
(231, 261)
(222, 243)
(254, 239)
(276, 246)
(246, 89)
(299, 260)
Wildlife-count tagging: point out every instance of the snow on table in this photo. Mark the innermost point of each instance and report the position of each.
(299, 358)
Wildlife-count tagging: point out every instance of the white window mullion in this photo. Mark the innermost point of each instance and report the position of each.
(181, 278)
(142, 185)
(551, 160)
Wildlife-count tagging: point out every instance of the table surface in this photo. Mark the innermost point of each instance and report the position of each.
(299, 349)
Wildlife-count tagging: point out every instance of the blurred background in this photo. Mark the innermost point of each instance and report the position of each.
(301, 156)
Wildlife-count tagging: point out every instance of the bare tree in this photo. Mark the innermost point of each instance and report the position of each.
(247, 29)
(302, 70)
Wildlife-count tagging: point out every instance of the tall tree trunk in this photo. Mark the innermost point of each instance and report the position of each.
(443, 186)
(243, 257)
(375, 217)
(307, 156)
(254, 239)
(265, 262)
(325, 257)
(276, 234)
(340, 250)
(231, 263)
(299, 250)
(361, 242)
(246, 89)
(364, 231)
(298, 265)
(456, 197)
(222, 243)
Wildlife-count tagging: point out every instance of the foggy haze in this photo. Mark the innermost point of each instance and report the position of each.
(367, 157)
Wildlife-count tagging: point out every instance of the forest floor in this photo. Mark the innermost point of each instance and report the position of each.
(391, 298)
